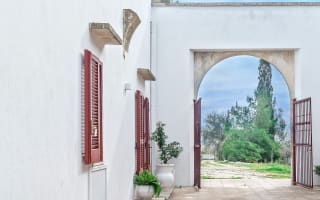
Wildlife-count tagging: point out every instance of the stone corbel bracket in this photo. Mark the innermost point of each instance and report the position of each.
(103, 33)
(146, 74)
(130, 23)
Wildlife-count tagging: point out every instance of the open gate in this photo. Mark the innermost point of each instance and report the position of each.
(302, 143)
(197, 142)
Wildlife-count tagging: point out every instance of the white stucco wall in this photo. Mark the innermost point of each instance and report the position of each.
(41, 48)
(179, 30)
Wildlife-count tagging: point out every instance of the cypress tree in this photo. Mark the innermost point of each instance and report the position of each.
(264, 100)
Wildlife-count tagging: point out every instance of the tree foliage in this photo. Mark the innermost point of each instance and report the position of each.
(264, 87)
(240, 117)
(252, 133)
(238, 147)
(248, 145)
(264, 99)
(214, 132)
(167, 151)
(280, 126)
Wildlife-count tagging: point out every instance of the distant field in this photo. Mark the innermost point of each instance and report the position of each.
(239, 170)
(272, 170)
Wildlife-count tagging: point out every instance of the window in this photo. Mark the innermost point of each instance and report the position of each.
(92, 108)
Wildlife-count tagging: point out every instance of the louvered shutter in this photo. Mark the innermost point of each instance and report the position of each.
(139, 132)
(147, 134)
(93, 108)
(142, 133)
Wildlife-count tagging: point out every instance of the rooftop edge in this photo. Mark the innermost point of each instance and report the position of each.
(234, 4)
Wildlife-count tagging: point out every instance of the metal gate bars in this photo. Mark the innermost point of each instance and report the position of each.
(302, 143)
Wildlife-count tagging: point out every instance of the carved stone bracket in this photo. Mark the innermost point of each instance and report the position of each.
(130, 23)
(146, 74)
(103, 33)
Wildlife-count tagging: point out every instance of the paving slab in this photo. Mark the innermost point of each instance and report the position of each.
(246, 189)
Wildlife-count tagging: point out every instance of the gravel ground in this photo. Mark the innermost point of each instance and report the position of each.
(219, 170)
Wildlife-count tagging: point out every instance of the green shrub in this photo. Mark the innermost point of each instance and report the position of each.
(238, 148)
(249, 145)
(147, 178)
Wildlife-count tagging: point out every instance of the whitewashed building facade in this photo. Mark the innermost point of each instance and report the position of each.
(42, 58)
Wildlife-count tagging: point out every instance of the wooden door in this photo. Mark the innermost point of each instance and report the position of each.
(197, 142)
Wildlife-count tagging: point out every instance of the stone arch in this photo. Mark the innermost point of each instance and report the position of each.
(283, 60)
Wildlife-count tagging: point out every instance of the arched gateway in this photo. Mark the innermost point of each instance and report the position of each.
(300, 114)
(283, 60)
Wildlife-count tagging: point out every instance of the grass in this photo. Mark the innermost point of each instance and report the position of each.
(271, 170)
(208, 163)
(212, 177)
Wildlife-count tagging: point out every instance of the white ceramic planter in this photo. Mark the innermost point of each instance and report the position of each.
(144, 192)
(165, 174)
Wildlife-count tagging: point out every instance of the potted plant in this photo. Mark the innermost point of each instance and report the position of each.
(317, 169)
(147, 185)
(164, 171)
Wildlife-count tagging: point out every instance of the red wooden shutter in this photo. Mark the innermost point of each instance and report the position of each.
(139, 132)
(93, 108)
(147, 134)
(142, 133)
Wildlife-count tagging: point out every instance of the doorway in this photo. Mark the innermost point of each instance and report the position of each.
(240, 128)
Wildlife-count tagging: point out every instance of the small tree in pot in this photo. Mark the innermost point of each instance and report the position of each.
(165, 171)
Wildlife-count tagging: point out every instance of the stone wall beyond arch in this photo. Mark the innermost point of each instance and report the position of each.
(283, 60)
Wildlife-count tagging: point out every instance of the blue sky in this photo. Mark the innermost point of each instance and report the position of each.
(235, 78)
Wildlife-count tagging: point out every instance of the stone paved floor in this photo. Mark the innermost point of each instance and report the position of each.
(246, 189)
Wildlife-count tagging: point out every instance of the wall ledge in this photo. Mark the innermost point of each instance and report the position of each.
(103, 33)
(146, 74)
